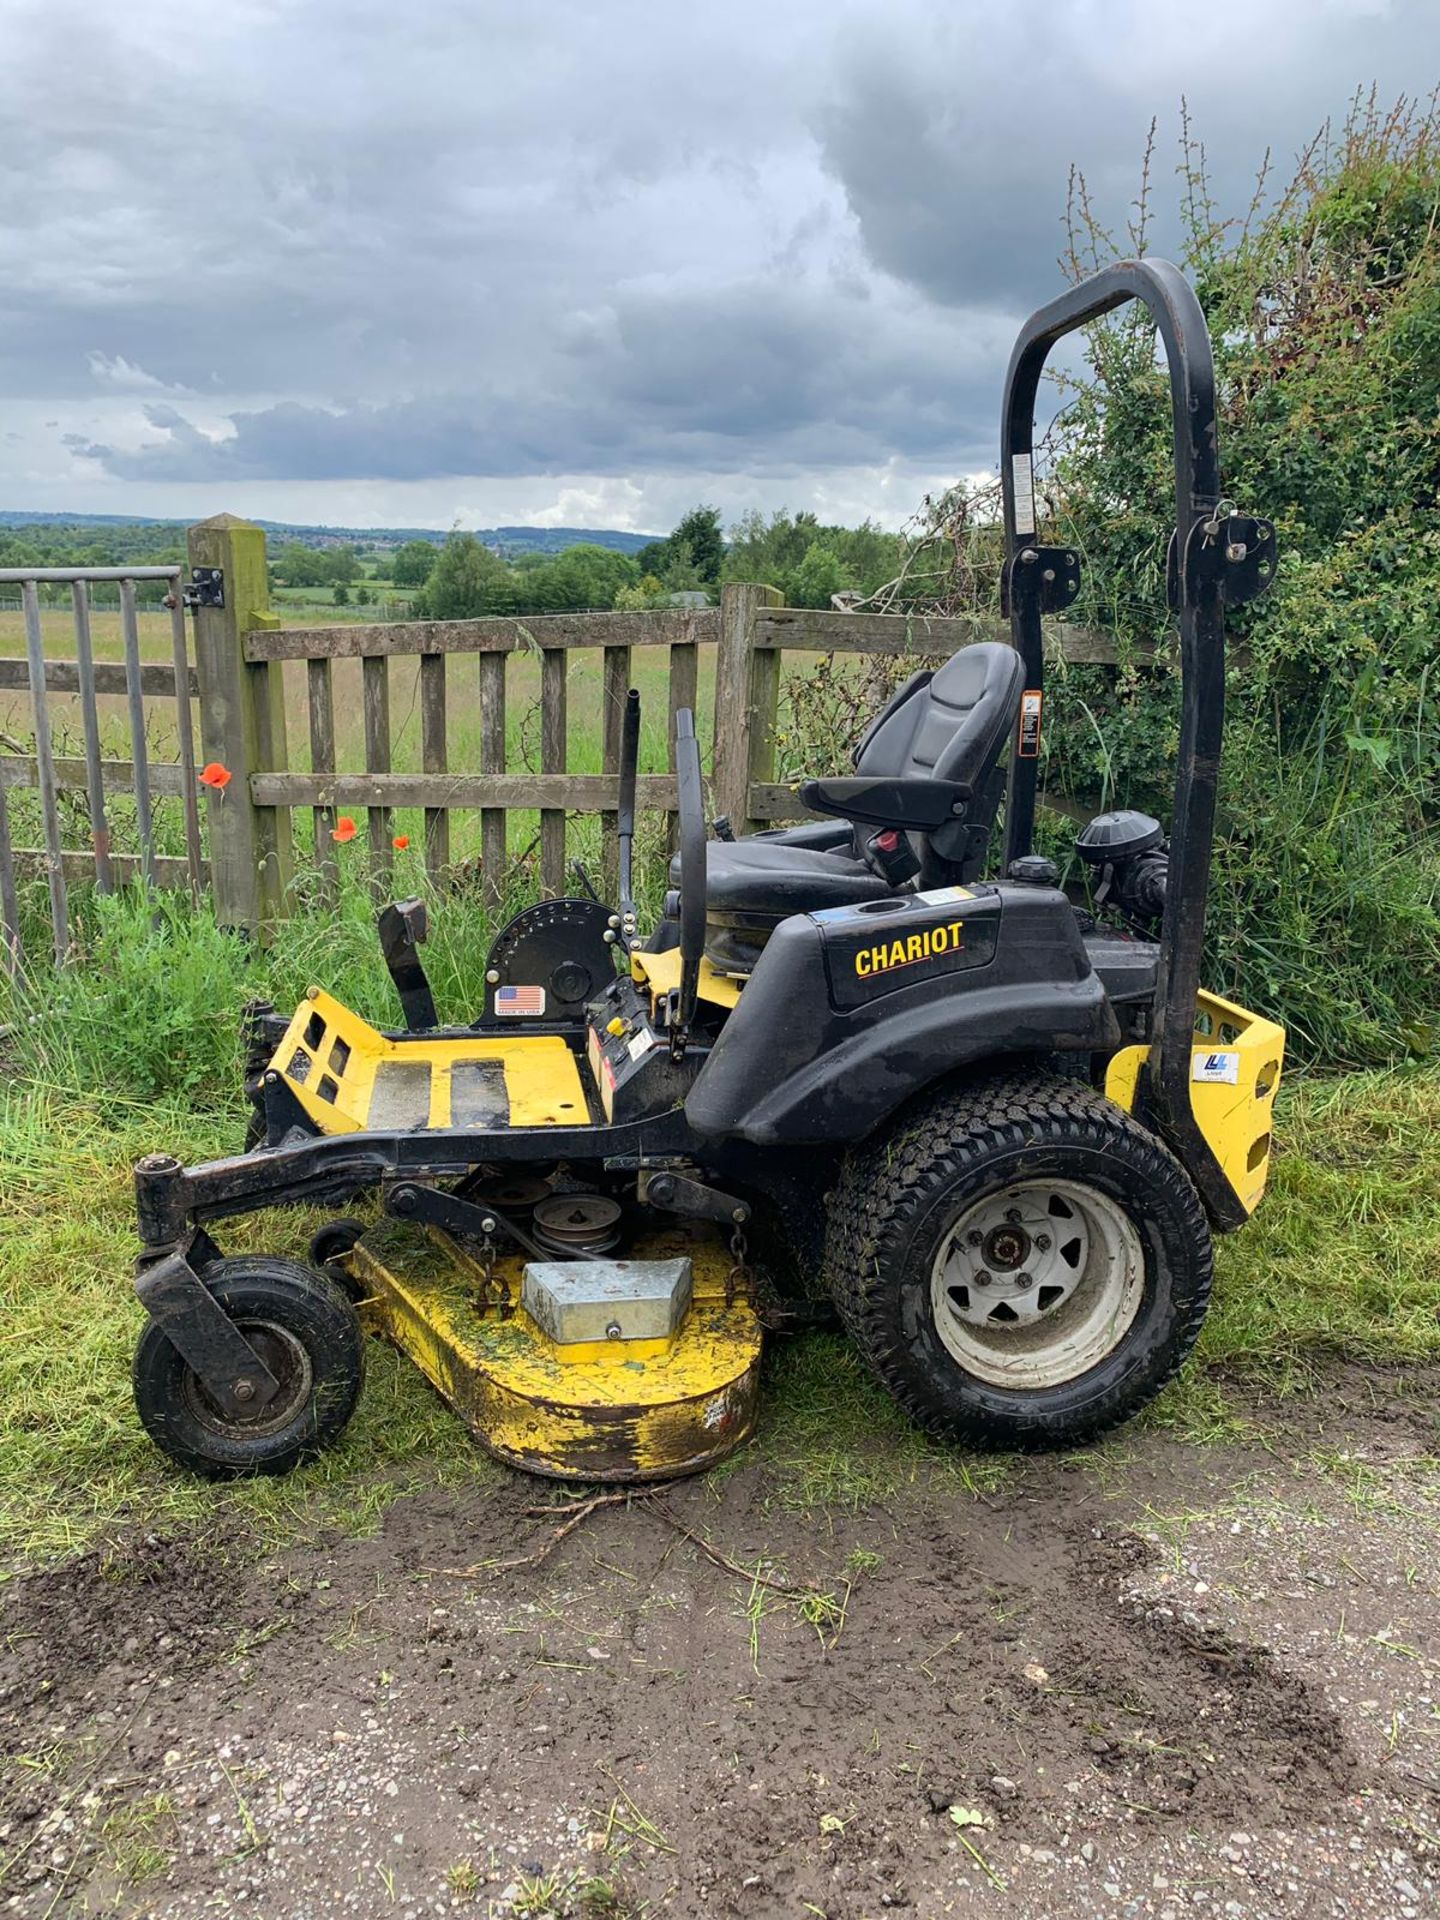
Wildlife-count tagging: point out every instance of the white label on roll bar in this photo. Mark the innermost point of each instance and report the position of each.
(1023, 475)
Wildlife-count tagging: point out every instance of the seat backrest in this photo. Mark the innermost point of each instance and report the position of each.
(952, 724)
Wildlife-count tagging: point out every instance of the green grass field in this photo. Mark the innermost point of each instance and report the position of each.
(136, 1050)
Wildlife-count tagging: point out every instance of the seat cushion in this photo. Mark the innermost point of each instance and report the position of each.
(763, 878)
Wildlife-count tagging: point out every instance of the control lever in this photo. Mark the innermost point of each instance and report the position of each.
(403, 925)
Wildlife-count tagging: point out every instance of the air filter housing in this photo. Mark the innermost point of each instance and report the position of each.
(1111, 838)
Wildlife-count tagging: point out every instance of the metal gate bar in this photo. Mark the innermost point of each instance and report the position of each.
(90, 718)
(45, 773)
(139, 746)
(180, 653)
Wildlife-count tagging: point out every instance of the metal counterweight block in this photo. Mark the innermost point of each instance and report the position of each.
(607, 1299)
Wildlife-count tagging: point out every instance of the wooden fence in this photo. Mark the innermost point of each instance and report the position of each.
(241, 652)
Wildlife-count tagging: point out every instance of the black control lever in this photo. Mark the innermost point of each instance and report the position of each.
(403, 925)
(625, 814)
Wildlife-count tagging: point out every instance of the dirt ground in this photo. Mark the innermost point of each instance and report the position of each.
(1157, 1680)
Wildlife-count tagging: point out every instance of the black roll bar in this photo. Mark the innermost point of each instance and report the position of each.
(625, 813)
(1199, 591)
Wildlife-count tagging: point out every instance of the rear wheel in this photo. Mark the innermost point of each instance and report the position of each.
(1020, 1262)
(305, 1331)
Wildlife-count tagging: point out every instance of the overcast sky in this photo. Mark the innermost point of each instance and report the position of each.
(583, 262)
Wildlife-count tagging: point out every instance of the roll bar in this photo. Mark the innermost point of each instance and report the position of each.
(1216, 556)
(625, 814)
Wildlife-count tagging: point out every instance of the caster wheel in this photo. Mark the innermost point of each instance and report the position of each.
(334, 1240)
(304, 1329)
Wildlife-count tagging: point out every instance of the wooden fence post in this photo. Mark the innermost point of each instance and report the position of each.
(242, 726)
(747, 687)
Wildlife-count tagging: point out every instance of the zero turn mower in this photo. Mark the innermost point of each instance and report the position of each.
(999, 1125)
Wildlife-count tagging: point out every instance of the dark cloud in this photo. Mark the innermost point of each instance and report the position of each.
(953, 140)
(712, 382)
(322, 241)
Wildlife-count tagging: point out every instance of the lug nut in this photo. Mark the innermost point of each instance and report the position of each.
(1042, 1241)
(982, 1279)
(1012, 1214)
(244, 1390)
(974, 1237)
(1022, 1280)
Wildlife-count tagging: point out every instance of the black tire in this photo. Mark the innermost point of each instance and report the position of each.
(901, 1196)
(335, 1239)
(307, 1333)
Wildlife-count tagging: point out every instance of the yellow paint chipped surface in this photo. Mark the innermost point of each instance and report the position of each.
(661, 972)
(1235, 1120)
(335, 1048)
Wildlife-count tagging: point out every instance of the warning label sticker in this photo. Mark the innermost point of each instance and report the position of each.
(1023, 475)
(1031, 703)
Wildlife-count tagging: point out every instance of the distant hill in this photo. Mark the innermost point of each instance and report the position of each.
(505, 540)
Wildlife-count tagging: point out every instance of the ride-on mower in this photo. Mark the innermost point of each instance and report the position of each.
(997, 1124)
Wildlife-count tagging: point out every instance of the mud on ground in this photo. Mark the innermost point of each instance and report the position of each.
(1154, 1681)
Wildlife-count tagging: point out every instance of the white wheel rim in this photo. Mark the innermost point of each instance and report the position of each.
(1036, 1284)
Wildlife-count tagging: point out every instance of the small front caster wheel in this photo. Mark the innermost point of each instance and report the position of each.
(334, 1240)
(302, 1326)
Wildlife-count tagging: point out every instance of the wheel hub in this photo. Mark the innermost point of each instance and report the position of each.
(287, 1360)
(1005, 1247)
(1015, 1257)
(1035, 1284)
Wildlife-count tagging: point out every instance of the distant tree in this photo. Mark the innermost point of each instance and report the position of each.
(414, 563)
(819, 575)
(583, 576)
(646, 592)
(773, 552)
(297, 565)
(342, 595)
(699, 539)
(363, 596)
(342, 565)
(468, 580)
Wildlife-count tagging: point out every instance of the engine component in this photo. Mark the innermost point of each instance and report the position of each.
(1130, 857)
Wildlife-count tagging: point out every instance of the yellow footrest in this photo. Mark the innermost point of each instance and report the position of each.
(350, 1077)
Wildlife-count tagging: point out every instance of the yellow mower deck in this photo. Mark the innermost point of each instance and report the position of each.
(622, 1410)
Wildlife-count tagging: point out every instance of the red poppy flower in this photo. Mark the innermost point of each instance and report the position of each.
(344, 829)
(215, 776)
(401, 842)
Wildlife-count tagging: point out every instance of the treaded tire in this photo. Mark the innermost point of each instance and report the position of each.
(899, 1195)
(308, 1333)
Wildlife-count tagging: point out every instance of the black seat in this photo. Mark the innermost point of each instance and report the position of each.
(949, 725)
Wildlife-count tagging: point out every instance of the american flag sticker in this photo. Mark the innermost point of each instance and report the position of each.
(520, 1002)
